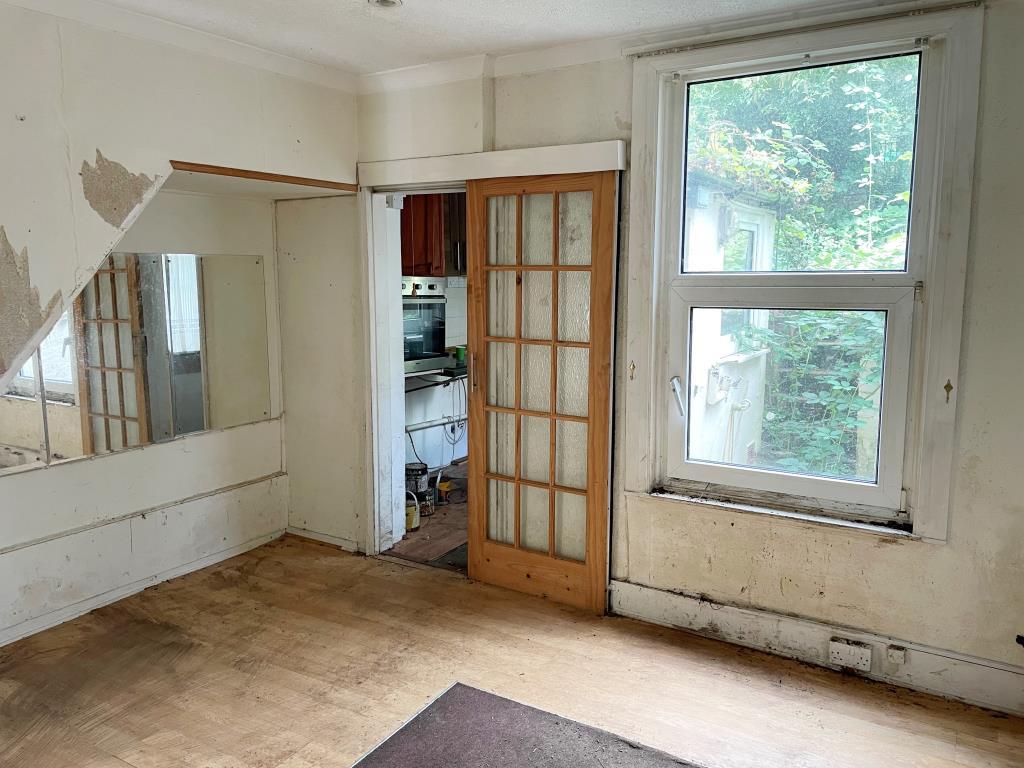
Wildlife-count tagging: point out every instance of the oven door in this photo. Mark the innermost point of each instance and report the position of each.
(423, 331)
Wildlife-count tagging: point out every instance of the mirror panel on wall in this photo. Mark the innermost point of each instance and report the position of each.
(156, 346)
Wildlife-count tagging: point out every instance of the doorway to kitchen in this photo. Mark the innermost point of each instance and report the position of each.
(432, 244)
(537, 263)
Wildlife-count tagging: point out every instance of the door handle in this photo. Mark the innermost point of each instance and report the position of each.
(677, 390)
(472, 372)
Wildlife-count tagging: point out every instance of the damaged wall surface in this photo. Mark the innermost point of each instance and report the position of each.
(95, 116)
(963, 595)
(79, 533)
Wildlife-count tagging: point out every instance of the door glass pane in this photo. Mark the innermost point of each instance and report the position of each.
(124, 336)
(117, 442)
(501, 443)
(99, 435)
(574, 306)
(536, 445)
(501, 304)
(534, 514)
(573, 380)
(131, 405)
(106, 305)
(133, 433)
(571, 454)
(537, 305)
(96, 392)
(807, 170)
(575, 222)
(501, 229)
(536, 377)
(501, 514)
(537, 240)
(92, 343)
(792, 390)
(113, 394)
(123, 299)
(570, 525)
(108, 337)
(501, 374)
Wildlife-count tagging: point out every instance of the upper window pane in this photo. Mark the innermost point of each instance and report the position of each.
(807, 170)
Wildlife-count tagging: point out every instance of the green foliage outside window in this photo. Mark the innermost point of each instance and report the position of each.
(829, 150)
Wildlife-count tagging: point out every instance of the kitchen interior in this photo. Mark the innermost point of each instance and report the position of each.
(434, 327)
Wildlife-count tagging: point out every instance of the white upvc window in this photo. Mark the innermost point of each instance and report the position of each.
(57, 352)
(807, 214)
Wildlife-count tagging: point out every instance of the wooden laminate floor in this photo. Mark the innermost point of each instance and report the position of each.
(297, 655)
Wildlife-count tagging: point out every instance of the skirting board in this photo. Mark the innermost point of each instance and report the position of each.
(347, 544)
(944, 673)
(52, 619)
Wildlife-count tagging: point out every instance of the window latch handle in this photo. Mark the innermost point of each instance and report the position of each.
(677, 390)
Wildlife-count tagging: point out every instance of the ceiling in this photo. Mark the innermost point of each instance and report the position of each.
(354, 36)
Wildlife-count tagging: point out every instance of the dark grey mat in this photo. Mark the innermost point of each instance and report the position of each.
(469, 728)
(456, 560)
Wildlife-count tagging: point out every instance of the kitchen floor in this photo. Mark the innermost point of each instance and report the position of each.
(441, 540)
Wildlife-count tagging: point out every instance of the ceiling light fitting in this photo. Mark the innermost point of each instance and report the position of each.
(385, 3)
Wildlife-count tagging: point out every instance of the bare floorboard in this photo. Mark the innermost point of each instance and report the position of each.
(297, 655)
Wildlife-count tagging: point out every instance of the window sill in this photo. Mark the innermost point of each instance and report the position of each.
(875, 529)
(32, 399)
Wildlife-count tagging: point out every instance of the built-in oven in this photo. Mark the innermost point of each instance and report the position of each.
(423, 304)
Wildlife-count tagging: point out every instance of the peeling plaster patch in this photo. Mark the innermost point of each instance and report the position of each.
(112, 190)
(21, 313)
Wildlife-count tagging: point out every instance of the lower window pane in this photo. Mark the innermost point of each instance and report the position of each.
(790, 390)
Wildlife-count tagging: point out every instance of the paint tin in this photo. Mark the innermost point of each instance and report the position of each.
(416, 477)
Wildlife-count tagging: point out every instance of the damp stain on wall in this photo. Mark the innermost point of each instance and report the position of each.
(112, 190)
(22, 311)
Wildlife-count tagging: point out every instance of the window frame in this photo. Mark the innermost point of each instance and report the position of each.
(881, 499)
(949, 42)
(57, 392)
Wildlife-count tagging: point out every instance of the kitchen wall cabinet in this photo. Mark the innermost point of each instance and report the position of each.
(434, 235)
(423, 236)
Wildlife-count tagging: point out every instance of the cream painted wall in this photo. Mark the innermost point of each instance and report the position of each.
(586, 102)
(446, 119)
(21, 425)
(81, 533)
(185, 222)
(81, 90)
(326, 367)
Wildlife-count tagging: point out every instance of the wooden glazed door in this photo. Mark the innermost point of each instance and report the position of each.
(541, 274)
(111, 374)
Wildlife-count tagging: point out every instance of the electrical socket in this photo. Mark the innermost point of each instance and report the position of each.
(849, 654)
(896, 654)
